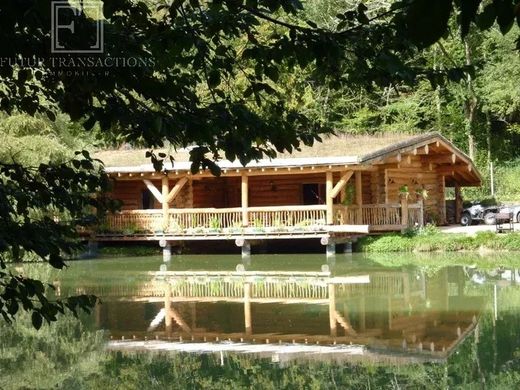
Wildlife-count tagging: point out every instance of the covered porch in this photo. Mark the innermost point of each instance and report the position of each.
(333, 211)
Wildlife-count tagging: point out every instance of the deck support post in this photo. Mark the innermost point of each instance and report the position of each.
(359, 197)
(331, 250)
(332, 310)
(245, 199)
(245, 246)
(167, 250)
(92, 248)
(329, 199)
(347, 248)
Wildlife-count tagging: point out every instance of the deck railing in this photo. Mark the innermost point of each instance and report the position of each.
(377, 216)
(213, 220)
(266, 219)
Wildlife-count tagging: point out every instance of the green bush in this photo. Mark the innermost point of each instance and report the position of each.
(431, 239)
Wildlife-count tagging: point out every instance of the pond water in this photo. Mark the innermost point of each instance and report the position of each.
(277, 321)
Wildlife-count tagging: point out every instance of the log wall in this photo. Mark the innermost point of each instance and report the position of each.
(416, 175)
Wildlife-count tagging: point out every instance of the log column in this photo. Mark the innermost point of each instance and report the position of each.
(164, 201)
(329, 199)
(458, 203)
(245, 199)
(359, 198)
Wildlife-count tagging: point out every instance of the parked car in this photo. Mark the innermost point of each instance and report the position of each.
(477, 213)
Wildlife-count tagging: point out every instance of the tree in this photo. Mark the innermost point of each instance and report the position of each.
(170, 75)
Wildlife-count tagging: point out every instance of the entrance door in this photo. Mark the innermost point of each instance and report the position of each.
(313, 193)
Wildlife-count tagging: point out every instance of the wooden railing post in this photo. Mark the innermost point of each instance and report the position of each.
(329, 198)
(244, 193)
(165, 205)
(404, 211)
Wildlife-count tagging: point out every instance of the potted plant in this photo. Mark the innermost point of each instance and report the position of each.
(404, 192)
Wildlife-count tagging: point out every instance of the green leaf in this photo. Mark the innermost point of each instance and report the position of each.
(427, 21)
(468, 11)
(487, 17)
(36, 319)
(214, 78)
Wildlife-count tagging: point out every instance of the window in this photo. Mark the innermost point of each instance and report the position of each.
(146, 200)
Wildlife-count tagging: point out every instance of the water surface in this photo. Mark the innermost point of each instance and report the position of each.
(360, 321)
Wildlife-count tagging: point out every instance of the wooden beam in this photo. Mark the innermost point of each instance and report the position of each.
(176, 189)
(443, 158)
(328, 198)
(426, 149)
(244, 188)
(153, 189)
(341, 184)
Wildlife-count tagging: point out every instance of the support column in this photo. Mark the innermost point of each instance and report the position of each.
(247, 308)
(245, 199)
(359, 197)
(331, 250)
(332, 310)
(329, 198)
(167, 250)
(92, 248)
(245, 246)
(458, 203)
(347, 248)
(443, 201)
(165, 205)
(330, 245)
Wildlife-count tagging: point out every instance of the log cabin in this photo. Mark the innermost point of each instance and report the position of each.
(337, 189)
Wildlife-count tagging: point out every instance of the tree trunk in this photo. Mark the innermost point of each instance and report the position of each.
(471, 103)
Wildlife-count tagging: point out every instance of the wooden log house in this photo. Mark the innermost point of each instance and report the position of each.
(344, 186)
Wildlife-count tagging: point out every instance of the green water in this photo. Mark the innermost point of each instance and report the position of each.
(434, 321)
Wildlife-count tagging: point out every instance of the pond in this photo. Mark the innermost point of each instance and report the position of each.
(277, 321)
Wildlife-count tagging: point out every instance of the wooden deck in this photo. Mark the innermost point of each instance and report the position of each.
(257, 223)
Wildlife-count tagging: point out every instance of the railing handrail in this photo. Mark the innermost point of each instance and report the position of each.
(210, 210)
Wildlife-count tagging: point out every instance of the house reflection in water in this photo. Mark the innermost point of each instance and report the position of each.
(400, 312)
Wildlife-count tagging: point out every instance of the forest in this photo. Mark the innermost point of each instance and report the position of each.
(479, 110)
(241, 80)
